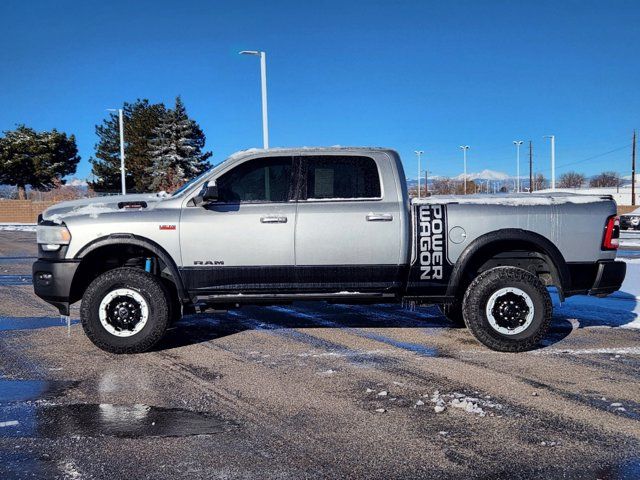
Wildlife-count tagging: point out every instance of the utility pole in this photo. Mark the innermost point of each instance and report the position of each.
(633, 169)
(530, 166)
(419, 154)
(426, 182)
(464, 153)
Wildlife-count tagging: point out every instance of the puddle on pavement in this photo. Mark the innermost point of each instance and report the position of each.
(105, 419)
(25, 390)
(14, 280)
(628, 469)
(26, 410)
(32, 323)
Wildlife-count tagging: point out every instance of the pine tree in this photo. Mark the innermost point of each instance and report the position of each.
(176, 149)
(140, 120)
(38, 159)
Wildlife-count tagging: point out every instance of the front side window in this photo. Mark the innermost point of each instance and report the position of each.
(342, 177)
(259, 180)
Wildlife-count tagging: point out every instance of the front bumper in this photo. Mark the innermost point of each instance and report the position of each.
(52, 281)
(609, 278)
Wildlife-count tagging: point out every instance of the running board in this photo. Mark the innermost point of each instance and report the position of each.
(292, 297)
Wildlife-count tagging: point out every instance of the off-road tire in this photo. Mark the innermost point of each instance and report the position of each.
(149, 287)
(477, 296)
(453, 312)
(175, 305)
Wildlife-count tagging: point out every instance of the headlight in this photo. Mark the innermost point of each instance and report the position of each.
(52, 236)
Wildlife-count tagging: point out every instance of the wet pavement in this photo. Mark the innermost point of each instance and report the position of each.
(316, 391)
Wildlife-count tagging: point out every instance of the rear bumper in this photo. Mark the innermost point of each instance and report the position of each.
(597, 278)
(52, 281)
(609, 278)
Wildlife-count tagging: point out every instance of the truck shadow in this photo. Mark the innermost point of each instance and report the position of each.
(617, 310)
(205, 327)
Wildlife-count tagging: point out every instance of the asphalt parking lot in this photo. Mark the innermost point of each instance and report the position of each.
(317, 391)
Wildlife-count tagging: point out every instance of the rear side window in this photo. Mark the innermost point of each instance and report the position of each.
(259, 180)
(341, 177)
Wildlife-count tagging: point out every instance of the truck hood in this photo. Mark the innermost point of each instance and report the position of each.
(93, 207)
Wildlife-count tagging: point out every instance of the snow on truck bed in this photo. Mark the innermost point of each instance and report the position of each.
(512, 199)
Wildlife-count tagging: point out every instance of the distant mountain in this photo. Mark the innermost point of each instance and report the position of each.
(485, 175)
(76, 182)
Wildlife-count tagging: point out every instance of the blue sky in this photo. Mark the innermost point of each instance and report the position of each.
(403, 74)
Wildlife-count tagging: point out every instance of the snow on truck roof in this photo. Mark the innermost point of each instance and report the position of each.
(522, 199)
(281, 150)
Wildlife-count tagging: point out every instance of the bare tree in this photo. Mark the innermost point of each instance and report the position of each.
(458, 187)
(442, 186)
(606, 179)
(572, 180)
(539, 182)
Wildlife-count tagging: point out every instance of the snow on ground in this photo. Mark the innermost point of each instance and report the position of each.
(621, 195)
(17, 227)
(620, 309)
(630, 238)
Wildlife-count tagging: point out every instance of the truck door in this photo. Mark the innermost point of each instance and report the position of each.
(244, 241)
(348, 230)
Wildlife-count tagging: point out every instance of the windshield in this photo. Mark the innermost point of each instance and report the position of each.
(189, 183)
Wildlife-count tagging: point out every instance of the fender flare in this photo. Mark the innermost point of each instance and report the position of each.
(510, 234)
(138, 241)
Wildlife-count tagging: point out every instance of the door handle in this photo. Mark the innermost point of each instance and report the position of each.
(379, 217)
(273, 219)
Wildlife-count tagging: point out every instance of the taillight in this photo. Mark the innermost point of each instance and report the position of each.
(611, 233)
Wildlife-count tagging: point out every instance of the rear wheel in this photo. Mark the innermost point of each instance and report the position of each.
(507, 309)
(125, 310)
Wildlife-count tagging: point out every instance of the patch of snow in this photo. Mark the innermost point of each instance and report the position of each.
(9, 423)
(473, 405)
(512, 200)
(93, 210)
(383, 393)
(69, 469)
(588, 351)
(17, 228)
(381, 410)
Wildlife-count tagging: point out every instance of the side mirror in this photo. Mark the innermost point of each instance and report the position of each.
(210, 194)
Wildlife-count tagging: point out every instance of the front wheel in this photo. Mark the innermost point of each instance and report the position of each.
(507, 309)
(125, 310)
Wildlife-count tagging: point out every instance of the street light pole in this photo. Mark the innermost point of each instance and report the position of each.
(121, 129)
(464, 155)
(122, 171)
(553, 160)
(419, 154)
(263, 86)
(517, 143)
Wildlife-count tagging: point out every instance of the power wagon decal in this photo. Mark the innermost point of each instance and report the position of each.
(430, 270)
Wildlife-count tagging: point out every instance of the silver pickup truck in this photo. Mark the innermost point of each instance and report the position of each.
(332, 224)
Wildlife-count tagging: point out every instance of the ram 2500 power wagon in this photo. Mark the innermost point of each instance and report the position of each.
(333, 224)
